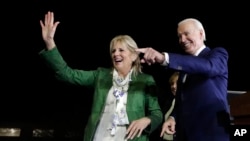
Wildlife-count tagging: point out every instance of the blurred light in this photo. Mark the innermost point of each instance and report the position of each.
(43, 133)
(10, 132)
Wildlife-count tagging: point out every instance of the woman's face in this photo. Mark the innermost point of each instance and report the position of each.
(173, 85)
(122, 57)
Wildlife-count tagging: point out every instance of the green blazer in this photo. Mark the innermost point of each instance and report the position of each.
(141, 100)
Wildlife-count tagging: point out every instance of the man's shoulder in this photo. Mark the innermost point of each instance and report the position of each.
(219, 48)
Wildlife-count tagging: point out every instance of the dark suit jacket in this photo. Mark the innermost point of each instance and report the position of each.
(202, 110)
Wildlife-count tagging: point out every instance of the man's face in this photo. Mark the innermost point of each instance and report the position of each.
(190, 37)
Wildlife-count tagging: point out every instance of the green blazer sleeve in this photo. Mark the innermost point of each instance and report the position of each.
(143, 101)
(63, 72)
(152, 105)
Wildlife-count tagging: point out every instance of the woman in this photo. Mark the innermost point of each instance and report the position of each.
(173, 87)
(125, 103)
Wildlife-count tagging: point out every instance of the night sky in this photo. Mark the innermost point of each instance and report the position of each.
(83, 36)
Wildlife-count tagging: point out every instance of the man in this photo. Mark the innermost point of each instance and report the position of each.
(201, 112)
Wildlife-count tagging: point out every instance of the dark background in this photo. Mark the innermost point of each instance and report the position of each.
(29, 92)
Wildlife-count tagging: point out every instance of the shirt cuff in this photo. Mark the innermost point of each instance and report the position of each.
(166, 61)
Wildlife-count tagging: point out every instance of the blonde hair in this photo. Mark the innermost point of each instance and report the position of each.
(174, 76)
(129, 42)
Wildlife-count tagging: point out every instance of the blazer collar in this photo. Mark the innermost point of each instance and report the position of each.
(205, 51)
